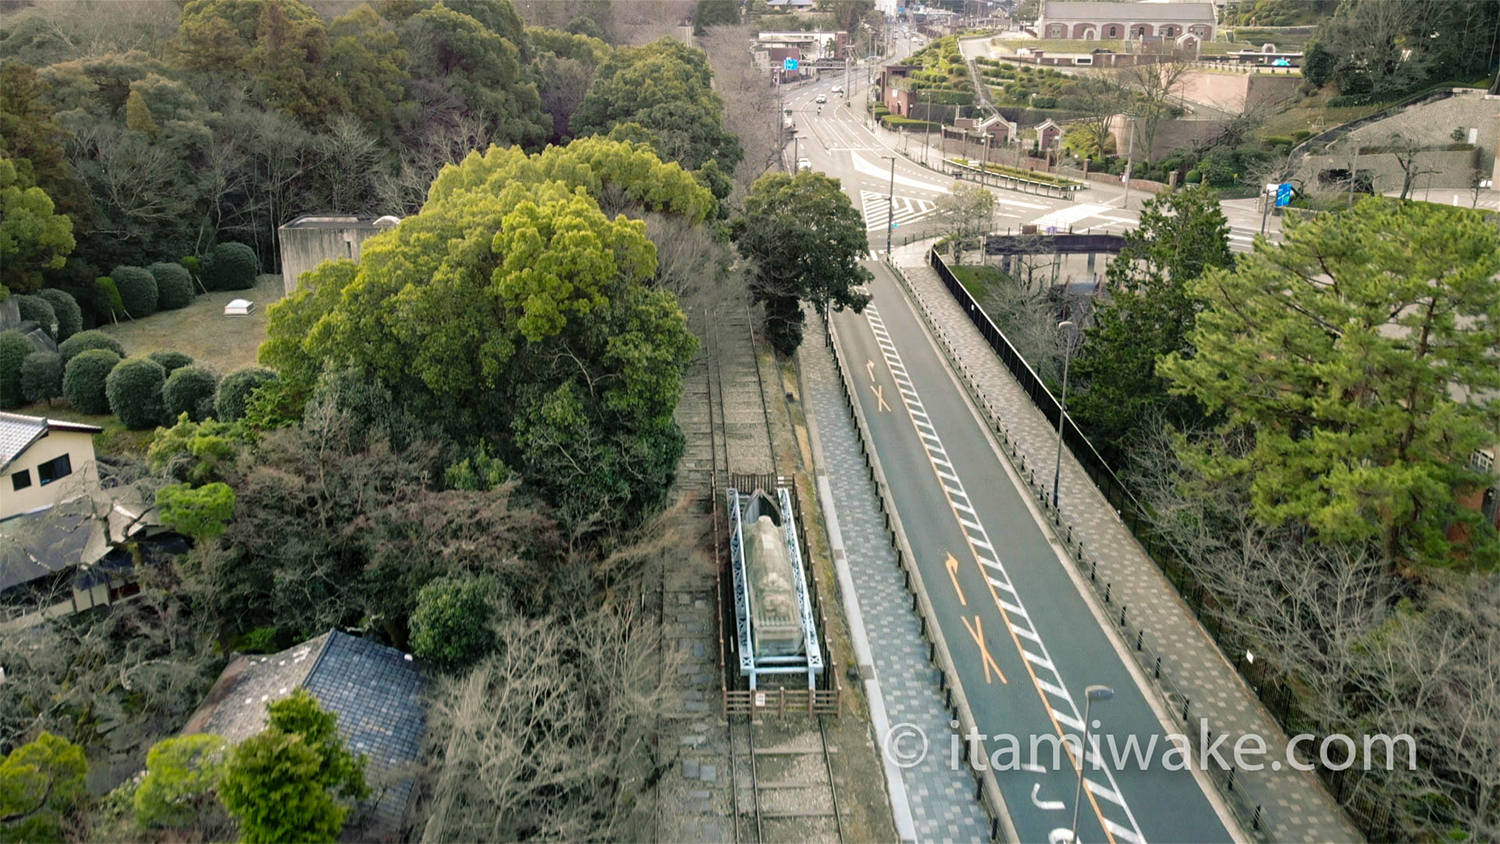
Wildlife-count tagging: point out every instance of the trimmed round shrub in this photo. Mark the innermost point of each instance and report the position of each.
(235, 390)
(174, 286)
(86, 340)
(170, 359)
(138, 291)
(69, 314)
(231, 266)
(84, 380)
(450, 627)
(107, 297)
(190, 390)
(14, 347)
(38, 310)
(41, 376)
(134, 388)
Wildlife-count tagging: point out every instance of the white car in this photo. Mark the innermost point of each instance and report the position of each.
(804, 164)
(822, 98)
(839, 90)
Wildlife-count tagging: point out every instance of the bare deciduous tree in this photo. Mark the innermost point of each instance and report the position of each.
(1101, 98)
(550, 737)
(1151, 86)
(965, 213)
(750, 110)
(1408, 153)
(1370, 654)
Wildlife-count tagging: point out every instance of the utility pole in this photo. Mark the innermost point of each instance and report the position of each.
(1065, 330)
(1353, 168)
(890, 207)
(780, 117)
(796, 153)
(1129, 163)
(927, 127)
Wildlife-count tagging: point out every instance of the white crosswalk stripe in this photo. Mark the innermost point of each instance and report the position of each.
(907, 209)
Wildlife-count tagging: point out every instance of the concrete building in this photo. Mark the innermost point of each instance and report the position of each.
(1455, 134)
(312, 239)
(1129, 21)
(813, 45)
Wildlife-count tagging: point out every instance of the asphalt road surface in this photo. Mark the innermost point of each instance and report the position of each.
(838, 140)
(1023, 637)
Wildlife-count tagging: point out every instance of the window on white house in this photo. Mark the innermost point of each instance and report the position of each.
(20, 480)
(55, 469)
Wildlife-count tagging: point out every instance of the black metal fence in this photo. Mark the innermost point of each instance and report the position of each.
(1371, 812)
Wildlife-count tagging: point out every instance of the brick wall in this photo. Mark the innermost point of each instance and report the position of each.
(1234, 91)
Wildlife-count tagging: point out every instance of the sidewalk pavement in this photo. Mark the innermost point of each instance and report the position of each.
(1296, 807)
(941, 797)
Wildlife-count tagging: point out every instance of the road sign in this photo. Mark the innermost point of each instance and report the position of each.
(788, 64)
(1283, 194)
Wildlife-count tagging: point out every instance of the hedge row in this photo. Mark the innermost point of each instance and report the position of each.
(891, 121)
(91, 371)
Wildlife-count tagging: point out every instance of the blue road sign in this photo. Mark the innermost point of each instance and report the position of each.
(1283, 194)
(788, 64)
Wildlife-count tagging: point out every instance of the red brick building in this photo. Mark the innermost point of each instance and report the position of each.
(1130, 21)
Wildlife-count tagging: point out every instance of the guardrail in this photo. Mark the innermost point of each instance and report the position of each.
(987, 788)
(1371, 813)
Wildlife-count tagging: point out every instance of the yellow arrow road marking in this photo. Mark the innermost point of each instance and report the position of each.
(952, 564)
(870, 368)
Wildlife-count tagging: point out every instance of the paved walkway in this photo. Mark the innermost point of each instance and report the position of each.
(1296, 807)
(941, 798)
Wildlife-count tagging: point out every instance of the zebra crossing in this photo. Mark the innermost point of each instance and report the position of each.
(907, 209)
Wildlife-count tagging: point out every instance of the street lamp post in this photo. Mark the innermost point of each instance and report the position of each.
(927, 127)
(890, 207)
(1090, 694)
(1065, 328)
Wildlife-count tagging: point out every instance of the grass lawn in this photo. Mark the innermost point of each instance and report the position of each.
(202, 331)
(978, 280)
(116, 438)
(1312, 115)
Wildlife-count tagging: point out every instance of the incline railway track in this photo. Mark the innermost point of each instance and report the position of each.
(782, 771)
(779, 776)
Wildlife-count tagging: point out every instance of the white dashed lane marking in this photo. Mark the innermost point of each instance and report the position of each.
(1119, 822)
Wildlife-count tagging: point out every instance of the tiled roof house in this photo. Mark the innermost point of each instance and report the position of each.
(376, 692)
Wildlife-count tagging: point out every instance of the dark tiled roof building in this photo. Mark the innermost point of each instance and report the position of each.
(376, 692)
